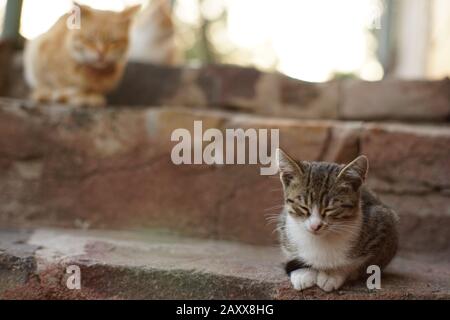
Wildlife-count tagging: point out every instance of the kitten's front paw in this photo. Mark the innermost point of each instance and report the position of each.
(329, 282)
(302, 279)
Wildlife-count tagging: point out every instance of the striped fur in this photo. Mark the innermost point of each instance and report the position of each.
(331, 224)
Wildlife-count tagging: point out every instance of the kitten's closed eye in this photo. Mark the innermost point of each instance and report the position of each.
(301, 210)
(337, 210)
(328, 210)
(338, 203)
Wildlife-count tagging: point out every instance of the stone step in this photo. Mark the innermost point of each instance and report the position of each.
(252, 91)
(155, 265)
(111, 168)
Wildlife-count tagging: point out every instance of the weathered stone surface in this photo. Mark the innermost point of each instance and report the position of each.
(410, 170)
(17, 261)
(111, 168)
(249, 90)
(344, 142)
(394, 99)
(226, 87)
(305, 100)
(424, 219)
(124, 265)
(303, 139)
(147, 85)
(229, 87)
(69, 166)
(408, 157)
(5, 62)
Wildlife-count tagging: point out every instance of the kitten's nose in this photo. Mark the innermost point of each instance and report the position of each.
(316, 226)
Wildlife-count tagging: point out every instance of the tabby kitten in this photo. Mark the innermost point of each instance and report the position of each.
(79, 66)
(332, 227)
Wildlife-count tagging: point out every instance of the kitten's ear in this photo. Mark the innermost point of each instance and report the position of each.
(130, 12)
(289, 169)
(355, 172)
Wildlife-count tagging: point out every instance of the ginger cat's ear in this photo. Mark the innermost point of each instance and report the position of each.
(85, 10)
(130, 12)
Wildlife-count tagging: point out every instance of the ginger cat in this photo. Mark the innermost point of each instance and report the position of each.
(79, 66)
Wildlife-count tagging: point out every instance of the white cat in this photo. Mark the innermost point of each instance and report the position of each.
(153, 35)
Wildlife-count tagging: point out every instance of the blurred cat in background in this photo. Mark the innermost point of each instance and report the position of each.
(153, 35)
(79, 66)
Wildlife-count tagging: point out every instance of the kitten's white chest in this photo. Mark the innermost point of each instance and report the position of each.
(319, 252)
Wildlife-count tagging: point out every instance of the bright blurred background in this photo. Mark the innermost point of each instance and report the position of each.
(312, 40)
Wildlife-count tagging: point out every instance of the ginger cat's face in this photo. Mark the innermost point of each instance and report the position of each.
(103, 38)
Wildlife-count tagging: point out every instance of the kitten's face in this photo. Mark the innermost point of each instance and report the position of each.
(322, 197)
(103, 38)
